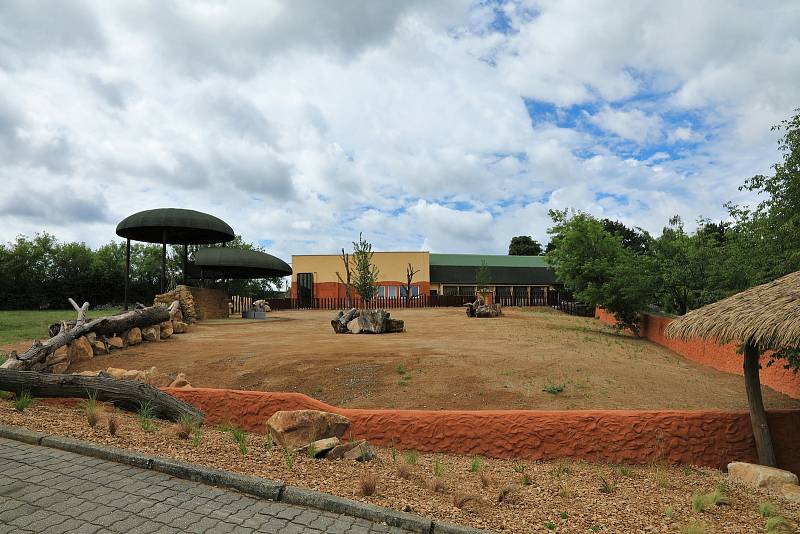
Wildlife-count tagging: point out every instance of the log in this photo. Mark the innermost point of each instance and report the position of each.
(379, 322)
(35, 356)
(127, 394)
(339, 323)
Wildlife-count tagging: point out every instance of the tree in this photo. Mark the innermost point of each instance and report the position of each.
(598, 269)
(635, 239)
(483, 279)
(410, 272)
(365, 274)
(524, 245)
(348, 276)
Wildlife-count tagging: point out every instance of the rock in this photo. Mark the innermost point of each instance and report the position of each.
(179, 327)
(298, 428)
(321, 446)
(115, 372)
(91, 336)
(99, 347)
(80, 350)
(760, 476)
(791, 492)
(87, 373)
(354, 327)
(166, 329)
(180, 382)
(151, 333)
(59, 368)
(115, 342)
(132, 336)
(133, 374)
(59, 356)
(359, 450)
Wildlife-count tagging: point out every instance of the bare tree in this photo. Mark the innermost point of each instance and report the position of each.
(410, 272)
(348, 275)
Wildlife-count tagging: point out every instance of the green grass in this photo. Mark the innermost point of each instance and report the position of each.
(22, 325)
(23, 401)
(767, 509)
(147, 415)
(553, 389)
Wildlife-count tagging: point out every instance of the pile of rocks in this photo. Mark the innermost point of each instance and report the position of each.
(183, 295)
(149, 376)
(87, 347)
(320, 433)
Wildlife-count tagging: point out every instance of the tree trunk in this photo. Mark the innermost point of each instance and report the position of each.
(114, 324)
(127, 394)
(758, 416)
(339, 323)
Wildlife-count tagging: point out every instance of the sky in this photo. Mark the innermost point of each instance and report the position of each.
(446, 126)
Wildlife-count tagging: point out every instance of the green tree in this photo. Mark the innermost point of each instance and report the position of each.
(483, 279)
(365, 273)
(524, 245)
(635, 239)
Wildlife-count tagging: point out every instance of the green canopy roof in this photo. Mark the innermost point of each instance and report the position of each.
(182, 227)
(474, 260)
(223, 262)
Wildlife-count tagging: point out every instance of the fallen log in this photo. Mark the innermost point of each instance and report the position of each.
(127, 394)
(339, 323)
(34, 358)
(378, 322)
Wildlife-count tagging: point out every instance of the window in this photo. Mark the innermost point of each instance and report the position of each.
(391, 292)
(450, 290)
(503, 291)
(466, 291)
(382, 291)
(414, 291)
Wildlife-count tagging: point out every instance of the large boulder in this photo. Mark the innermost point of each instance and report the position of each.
(115, 342)
(116, 372)
(80, 350)
(99, 347)
(166, 329)
(320, 447)
(180, 382)
(760, 476)
(179, 327)
(132, 336)
(151, 333)
(58, 356)
(298, 428)
(791, 492)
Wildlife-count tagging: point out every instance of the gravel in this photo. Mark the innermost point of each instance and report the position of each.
(563, 495)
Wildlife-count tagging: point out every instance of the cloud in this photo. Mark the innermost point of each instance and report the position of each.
(634, 125)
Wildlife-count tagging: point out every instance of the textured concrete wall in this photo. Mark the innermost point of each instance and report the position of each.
(721, 357)
(710, 438)
(209, 303)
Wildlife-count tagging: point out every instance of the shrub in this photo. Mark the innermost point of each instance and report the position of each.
(549, 525)
(23, 401)
(91, 408)
(553, 389)
(563, 515)
(368, 483)
(146, 415)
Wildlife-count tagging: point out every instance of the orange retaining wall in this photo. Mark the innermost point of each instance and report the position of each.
(720, 357)
(710, 438)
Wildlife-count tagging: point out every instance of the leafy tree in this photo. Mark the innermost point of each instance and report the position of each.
(635, 239)
(483, 279)
(365, 274)
(524, 245)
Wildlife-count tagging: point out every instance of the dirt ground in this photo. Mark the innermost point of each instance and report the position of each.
(444, 360)
(559, 496)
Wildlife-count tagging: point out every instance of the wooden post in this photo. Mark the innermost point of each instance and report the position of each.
(758, 416)
(163, 259)
(127, 269)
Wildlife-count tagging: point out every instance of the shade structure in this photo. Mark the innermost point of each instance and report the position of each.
(219, 262)
(175, 226)
(765, 316)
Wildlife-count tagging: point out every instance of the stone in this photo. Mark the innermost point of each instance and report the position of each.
(115, 372)
(298, 428)
(791, 492)
(59, 356)
(151, 333)
(115, 342)
(91, 336)
(80, 350)
(166, 329)
(180, 382)
(321, 446)
(359, 450)
(59, 368)
(99, 347)
(133, 374)
(354, 327)
(179, 327)
(132, 336)
(760, 476)
(87, 373)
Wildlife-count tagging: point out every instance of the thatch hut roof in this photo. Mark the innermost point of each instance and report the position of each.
(768, 316)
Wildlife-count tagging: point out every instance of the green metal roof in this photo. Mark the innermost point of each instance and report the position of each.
(224, 262)
(474, 260)
(181, 227)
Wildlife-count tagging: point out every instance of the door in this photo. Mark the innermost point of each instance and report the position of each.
(305, 289)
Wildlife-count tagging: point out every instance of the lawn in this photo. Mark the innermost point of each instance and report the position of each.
(25, 325)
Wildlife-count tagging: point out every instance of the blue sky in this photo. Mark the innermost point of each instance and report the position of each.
(448, 126)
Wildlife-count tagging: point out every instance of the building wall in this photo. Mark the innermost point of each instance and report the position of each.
(391, 271)
(708, 353)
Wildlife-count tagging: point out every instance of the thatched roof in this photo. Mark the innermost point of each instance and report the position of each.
(767, 316)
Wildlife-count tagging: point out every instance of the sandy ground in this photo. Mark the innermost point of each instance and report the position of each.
(444, 360)
(566, 495)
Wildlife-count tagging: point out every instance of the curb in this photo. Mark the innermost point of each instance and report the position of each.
(255, 486)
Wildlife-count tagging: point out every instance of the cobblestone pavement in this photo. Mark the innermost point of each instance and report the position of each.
(48, 490)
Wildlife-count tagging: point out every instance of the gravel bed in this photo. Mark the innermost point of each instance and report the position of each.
(566, 496)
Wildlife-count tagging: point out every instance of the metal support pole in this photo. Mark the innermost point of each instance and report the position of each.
(185, 261)
(127, 270)
(163, 259)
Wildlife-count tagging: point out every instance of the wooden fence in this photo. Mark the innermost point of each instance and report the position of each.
(333, 303)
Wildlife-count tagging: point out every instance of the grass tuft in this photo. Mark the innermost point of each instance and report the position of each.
(461, 499)
(553, 389)
(113, 423)
(694, 528)
(146, 415)
(438, 468)
(23, 401)
(437, 485)
(289, 455)
(268, 444)
(606, 486)
(508, 494)
(368, 483)
(767, 509)
(475, 464)
(486, 480)
(91, 408)
(186, 426)
(240, 437)
(412, 457)
(196, 436)
(404, 471)
(778, 524)
(549, 525)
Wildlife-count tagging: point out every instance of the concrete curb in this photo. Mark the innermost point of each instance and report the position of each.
(258, 487)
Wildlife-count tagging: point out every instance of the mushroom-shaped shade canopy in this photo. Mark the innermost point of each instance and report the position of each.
(236, 263)
(182, 227)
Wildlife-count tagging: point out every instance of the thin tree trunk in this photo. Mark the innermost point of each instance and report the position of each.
(758, 416)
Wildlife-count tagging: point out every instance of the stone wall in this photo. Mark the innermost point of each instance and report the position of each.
(708, 438)
(708, 353)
